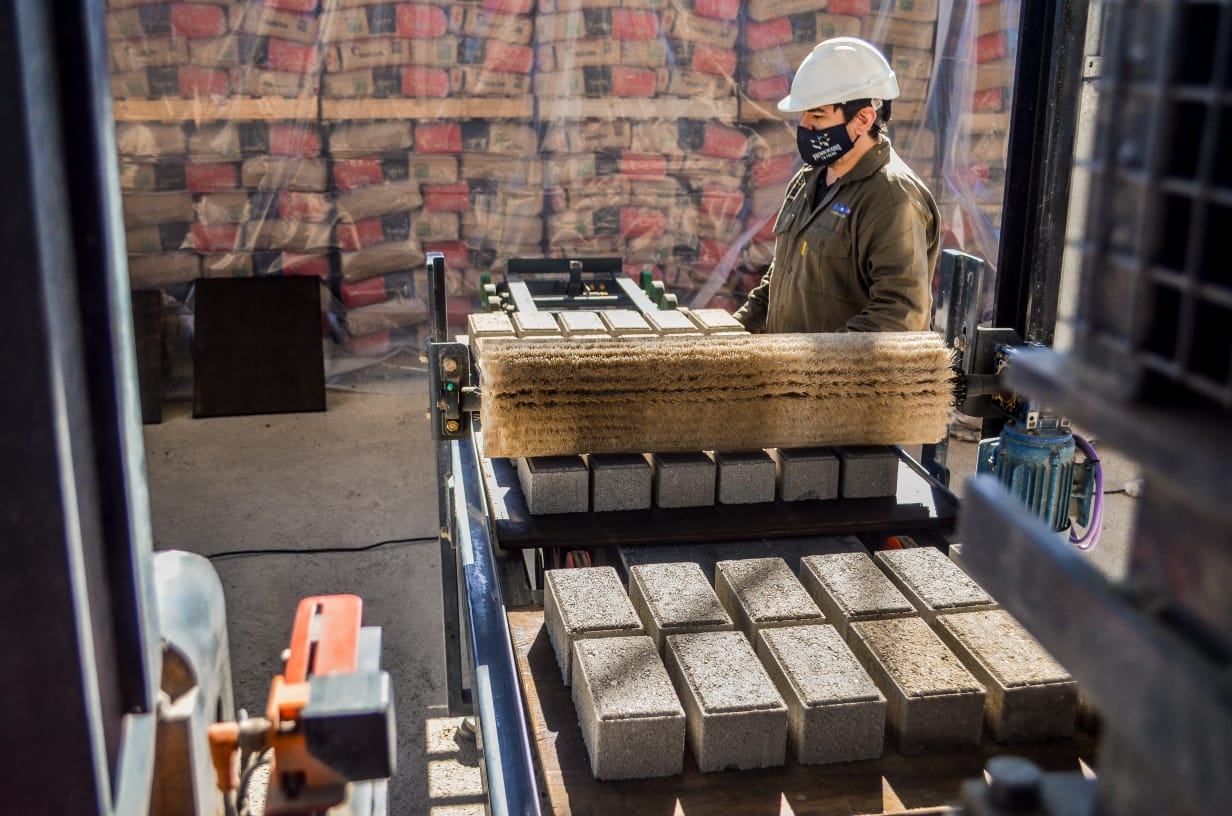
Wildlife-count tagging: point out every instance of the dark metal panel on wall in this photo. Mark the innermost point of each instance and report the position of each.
(1043, 121)
(76, 587)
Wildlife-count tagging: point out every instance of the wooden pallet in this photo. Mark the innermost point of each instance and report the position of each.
(894, 783)
(470, 108)
(205, 110)
(719, 110)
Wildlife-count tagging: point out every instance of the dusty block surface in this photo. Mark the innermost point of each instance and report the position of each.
(632, 721)
(536, 324)
(932, 582)
(1030, 695)
(671, 321)
(625, 322)
(868, 472)
(736, 718)
(835, 713)
(848, 587)
(619, 481)
(582, 324)
(715, 321)
(684, 479)
(489, 324)
(745, 477)
(807, 474)
(934, 702)
(579, 604)
(676, 599)
(555, 484)
(761, 593)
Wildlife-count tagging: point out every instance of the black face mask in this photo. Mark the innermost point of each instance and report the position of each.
(822, 148)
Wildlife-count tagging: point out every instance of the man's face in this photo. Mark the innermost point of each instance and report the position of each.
(822, 118)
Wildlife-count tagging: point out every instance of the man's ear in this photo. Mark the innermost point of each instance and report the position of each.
(865, 119)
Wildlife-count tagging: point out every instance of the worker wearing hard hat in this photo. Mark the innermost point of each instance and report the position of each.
(858, 234)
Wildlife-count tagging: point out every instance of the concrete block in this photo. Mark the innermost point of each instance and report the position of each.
(762, 593)
(868, 472)
(671, 321)
(555, 484)
(582, 324)
(684, 479)
(932, 582)
(715, 321)
(625, 323)
(934, 702)
(745, 477)
(807, 474)
(489, 324)
(676, 599)
(536, 324)
(735, 717)
(1030, 696)
(835, 713)
(619, 481)
(848, 587)
(632, 722)
(585, 603)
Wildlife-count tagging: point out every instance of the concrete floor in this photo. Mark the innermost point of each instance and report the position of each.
(362, 472)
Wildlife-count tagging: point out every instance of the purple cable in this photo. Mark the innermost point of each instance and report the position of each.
(1090, 538)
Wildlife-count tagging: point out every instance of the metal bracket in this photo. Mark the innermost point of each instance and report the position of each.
(449, 387)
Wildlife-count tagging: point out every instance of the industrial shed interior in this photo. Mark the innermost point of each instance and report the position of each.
(379, 438)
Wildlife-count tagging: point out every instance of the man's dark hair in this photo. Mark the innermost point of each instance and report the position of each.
(853, 107)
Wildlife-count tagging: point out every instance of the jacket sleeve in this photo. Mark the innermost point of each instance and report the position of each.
(752, 315)
(893, 249)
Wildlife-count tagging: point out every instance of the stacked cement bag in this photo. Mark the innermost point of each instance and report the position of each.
(219, 147)
(432, 146)
(642, 156)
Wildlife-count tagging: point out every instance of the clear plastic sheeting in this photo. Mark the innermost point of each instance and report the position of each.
(346, 139)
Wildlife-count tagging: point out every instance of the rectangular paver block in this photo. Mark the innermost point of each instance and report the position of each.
(715, 321)
(625, 322)
(619, 481)
(536, 324)
(684, 479)
(868, 472)
(745, 477)
(631, 719)
(934, 702)
(807, 474)
(1030, 695)
(489, 324)
(584, 603)
(932, 582)
(736, 717)
(555, 484)
(671, 321)
(582, 324)
(676, 599)
(762, 593)
(849, 587)
(835, 713)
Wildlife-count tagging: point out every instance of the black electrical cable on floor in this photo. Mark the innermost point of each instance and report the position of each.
(317, 550)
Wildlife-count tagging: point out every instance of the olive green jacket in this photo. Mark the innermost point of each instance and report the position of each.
(862, 259)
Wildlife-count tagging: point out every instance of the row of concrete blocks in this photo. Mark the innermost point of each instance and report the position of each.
(767, 660)
(576, 484)
(608, 323)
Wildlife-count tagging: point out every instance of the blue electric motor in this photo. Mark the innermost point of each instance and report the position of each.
(1035, 466)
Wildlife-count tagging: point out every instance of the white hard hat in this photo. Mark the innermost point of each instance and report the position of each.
(837, 71)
